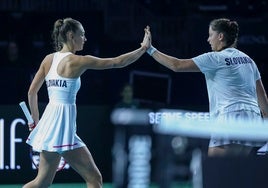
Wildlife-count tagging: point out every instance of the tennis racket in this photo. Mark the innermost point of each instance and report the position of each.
(34, 155)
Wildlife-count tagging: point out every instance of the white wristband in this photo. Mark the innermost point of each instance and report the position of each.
(151, 50)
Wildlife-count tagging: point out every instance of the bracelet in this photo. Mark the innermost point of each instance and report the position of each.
(151, 50)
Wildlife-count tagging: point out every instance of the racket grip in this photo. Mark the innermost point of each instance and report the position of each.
(26, 112)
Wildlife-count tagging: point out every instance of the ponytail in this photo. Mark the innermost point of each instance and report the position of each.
(56, 33)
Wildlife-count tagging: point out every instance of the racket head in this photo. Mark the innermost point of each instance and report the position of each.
(35, 159)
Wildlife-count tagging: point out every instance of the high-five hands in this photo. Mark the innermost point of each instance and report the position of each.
(147, 30)
(146, 39)
(150, 49)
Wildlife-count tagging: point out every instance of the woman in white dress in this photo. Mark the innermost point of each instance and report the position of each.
(54, 135)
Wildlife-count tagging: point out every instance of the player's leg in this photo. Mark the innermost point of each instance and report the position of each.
(46, 172)
(217, 148)
(81, 160)
(229, 150)
(216, 151)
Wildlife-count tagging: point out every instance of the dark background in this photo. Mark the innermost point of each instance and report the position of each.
(179, 28)
(113, 27)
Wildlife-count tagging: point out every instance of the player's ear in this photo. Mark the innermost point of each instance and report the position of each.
(221, 36)
(70, 35)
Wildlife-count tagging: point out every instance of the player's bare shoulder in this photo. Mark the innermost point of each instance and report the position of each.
(77, 61)
(47, 62)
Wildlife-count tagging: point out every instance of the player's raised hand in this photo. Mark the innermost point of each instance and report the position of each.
(148, 32)
(150, 48)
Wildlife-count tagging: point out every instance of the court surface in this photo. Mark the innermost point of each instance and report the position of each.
(56, 185)
(106, 185)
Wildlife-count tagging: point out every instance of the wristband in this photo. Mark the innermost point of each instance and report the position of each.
(151, 50)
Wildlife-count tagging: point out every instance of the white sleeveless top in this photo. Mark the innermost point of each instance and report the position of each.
(61, 90)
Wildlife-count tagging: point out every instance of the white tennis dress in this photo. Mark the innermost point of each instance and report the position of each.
(56, 130)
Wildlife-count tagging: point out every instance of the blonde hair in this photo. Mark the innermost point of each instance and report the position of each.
(61, 27)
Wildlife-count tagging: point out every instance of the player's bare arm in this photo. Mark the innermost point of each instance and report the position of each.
(36, 85)
(262, 98)
(175, 64)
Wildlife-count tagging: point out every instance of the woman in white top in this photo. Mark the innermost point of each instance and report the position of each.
(234, 84)
(54, 135)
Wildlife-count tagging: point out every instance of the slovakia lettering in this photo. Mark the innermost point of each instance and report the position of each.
(237, 60)
(57, 83)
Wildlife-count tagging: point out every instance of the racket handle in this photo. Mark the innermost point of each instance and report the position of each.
(26, 112)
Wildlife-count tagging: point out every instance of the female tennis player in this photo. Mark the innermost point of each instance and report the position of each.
(55, 133)
(234, 84)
